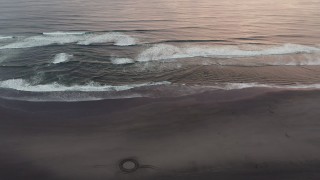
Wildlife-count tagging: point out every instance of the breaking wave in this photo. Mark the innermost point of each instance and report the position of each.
(122, 61)
(306, 55)
(5, 37)
(80, 38)
(165, 51)
(64, 33)
(23, 85)
(118, 39)
(62, 57)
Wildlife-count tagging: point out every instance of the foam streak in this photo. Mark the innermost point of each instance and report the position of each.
(23, 85)
(62, 38)
(164, 51)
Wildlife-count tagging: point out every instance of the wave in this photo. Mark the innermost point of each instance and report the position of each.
(308, 55)
(22, 90)
(23, 85)
(61, 57)
(61, 38)
(118, 39)
(165, 51)
(64, 33)
(6, 37)
(122, 61)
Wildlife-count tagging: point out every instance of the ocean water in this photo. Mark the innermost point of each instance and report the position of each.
(73, 50)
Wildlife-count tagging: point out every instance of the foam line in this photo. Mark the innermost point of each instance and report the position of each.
(5, 37)
(165, 51)
(232, 86)
(63, 33)
(23, 85)
(117, 39)
(122, 61)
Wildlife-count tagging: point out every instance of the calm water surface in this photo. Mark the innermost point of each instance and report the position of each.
(80, 50)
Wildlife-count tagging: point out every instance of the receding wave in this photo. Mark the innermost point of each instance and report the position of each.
(61, 38)
(22, 90)
(165, 51)
(230, 86)
(23, 85)
(61, 57)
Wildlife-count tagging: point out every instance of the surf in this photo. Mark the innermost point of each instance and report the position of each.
(6, 37)
(64, 33)
(24, 85)
(165, 51)
(80, 38)
(61, 57)
(286, 54)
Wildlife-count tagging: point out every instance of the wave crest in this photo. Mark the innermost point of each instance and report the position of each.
(62, 38)
(5, 37)
(122, 61)
(118, 39)
(61, 57)
(164, 51)
(64, 33)
(23, 85)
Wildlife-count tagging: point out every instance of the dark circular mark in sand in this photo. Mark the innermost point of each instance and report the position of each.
(129, 165)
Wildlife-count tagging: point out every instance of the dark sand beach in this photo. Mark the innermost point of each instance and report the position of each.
(249, 134)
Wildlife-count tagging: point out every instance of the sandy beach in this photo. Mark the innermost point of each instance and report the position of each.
(258, 134)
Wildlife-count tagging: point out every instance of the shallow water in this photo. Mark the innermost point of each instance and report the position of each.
(117, 49)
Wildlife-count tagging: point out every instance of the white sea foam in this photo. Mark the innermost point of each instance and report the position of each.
(231, 86)
(310, 59)
(63, 33)
(164, 51)
(61, 38)
(37, 41)
(23, 85)
(5, 37)
(61, 57)
(308, 55)
(118, 39)
(122, 61)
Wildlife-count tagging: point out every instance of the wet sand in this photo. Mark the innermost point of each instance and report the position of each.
(258, 134)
